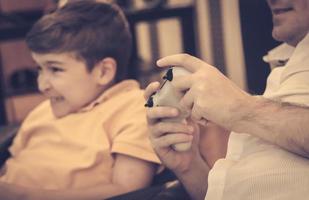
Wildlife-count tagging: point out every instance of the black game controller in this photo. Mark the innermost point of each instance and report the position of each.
(168, 95)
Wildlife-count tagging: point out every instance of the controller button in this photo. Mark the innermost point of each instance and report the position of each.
(169, 74)
(149, 102)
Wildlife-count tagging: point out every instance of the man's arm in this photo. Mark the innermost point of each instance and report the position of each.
(284, 124)
(129, 174)
(212, 96)
(192, 166)
(195, 179)
(213, 146)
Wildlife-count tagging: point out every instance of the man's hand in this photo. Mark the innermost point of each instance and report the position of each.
(164, 134)
(214, 97)
(191, 167)
(209, 93)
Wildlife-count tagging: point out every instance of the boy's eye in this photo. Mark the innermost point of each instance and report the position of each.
(55, 69)
(39, 69)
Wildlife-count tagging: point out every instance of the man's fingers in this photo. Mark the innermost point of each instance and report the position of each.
(171, 139)
(163, 128)
(150, 89)
(156, 113)
(197, 116)
(186, 61)
(182, 83)
(187, 101)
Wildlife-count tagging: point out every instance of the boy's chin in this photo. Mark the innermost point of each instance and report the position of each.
(58, 112)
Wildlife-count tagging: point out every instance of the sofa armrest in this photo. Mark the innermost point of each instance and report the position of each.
(7, 134)
(169, 191)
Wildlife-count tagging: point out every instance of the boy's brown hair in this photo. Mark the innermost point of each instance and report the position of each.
(89, 29)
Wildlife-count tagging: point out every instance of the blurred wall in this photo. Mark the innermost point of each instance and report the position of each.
(233, 35)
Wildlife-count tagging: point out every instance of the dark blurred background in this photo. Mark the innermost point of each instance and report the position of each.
(231, 35)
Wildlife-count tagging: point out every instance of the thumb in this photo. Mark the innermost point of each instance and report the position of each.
(186, 61)
(182, 83)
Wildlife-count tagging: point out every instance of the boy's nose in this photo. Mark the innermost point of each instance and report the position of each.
(44, 83)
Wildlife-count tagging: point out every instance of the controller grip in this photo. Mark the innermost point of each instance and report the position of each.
(184, 146)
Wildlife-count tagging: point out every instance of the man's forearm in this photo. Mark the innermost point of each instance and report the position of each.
(195, 180)
(283, 124)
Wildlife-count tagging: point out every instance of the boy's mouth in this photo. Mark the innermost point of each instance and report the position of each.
(56, 99)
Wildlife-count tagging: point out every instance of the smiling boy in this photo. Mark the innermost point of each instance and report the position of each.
(89, 139)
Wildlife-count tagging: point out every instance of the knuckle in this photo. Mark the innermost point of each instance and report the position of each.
(202, 75)
(200, 88)
(149, 112)
(185, 57)
(161, 127)
(157, 130)
(155, 144)
(165, 141)
(151, 131)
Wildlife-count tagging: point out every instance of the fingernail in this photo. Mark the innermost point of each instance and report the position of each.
(156, 83)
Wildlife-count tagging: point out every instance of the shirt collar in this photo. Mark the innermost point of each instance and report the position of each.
(118, 88)
(298, 62)
(279, 55)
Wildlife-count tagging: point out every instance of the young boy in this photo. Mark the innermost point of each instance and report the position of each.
(89, 139)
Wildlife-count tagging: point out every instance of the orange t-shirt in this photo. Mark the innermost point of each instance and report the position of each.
(77, 151)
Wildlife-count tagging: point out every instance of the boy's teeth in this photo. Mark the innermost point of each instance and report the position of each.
(57, 98)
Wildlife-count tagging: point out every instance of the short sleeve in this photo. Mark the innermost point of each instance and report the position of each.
(295, 89)
(294, 80)
(131, 137)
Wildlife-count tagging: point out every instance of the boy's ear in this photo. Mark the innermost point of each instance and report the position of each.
(105, 71)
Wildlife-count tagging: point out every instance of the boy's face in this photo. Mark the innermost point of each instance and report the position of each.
(66, 82)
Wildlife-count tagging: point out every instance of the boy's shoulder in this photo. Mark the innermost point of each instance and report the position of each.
(133, 93)
(127, 90)
(43, 106)
(125, 95)
(41, 111)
